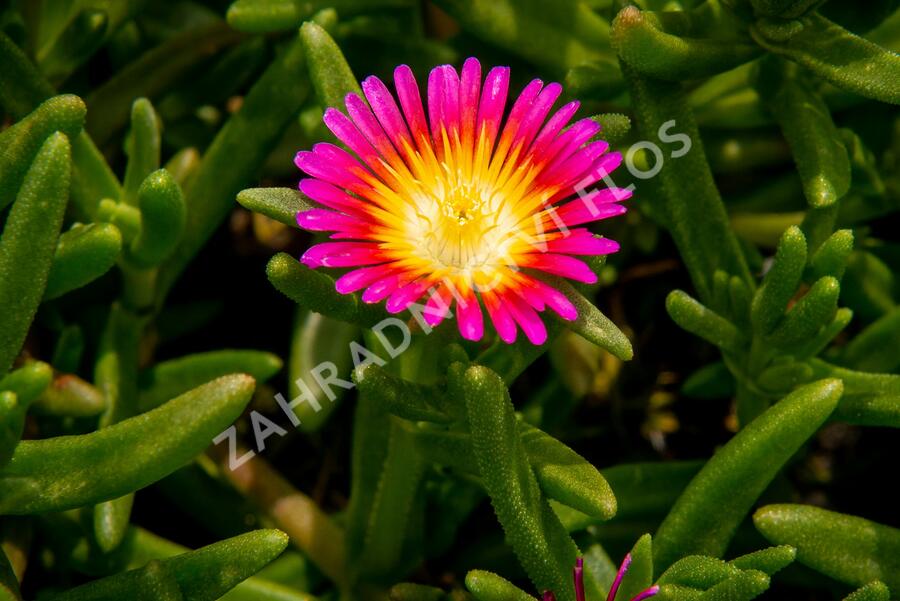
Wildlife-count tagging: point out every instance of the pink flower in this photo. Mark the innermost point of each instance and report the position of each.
(579, 583)
(457, 205)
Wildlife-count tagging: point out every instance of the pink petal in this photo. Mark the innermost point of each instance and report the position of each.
(601, 169)
(626, 563)
(493, 103)
(319, 165)
(569, 141)
(593, 206)
(323, 220)
(346, 131)
(469, 92)
(331, 196)
(574, 168)
(527, 318)
(387, 112)
(471, 321)
(519, 111)
(443, 102)
(538, 113)
(383, 288)
(438, 306)
(342, 254)
(603, 166)
(557, 301)
(553, 126)
(407, 295)
(501, 318)
(370, 127)
(411, 102)
(583, 244)
(362, 277)
(562, 265)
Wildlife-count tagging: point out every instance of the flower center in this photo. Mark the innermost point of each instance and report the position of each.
(455, 226)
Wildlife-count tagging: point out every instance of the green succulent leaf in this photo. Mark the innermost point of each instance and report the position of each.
(315, 291)
(280, 204)
(407, 591)
(847, 548)
(704, 518)
(70, 396)
(740, 587)
(414, 402)
(566, 476)
(202, 575)
(805, 120)
(592, 325)
(810, 314)
(697, 572)
(532, 529)
(18, 390)
(329, 72)
(142, 147)
(558, 40)
(830, 259)
(162, 219)
(691, 315)
(83, 254)
(769, 561)
(781, 281)
(28, 242)
(615, 127)
(639, 576)
(642, 41)
(72, 471)
(874, 591)
(693, 209)
(21, 142)
(394, 506)
(169, 379)
(262, 16)
(487, 586)
(834, 54)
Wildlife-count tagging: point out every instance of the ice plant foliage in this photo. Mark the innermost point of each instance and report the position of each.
(455, 204)
(578, 573)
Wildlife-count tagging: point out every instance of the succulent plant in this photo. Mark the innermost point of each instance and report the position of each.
(712, 396)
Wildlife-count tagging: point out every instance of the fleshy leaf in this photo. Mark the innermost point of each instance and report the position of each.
(532, 529)
(280, 204)
(847, 548)
(72, 471)
(704, 518)
(329, 72)
(805, 120)
(169, 379)
(487, 586)
(21, 142)
(202, 575)
(83, 254)
(833, 53)
(162, 219)
(642, 42)
(781, 281)
(28, 241)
